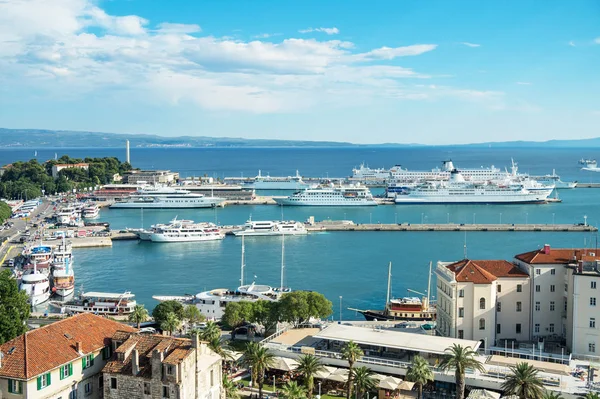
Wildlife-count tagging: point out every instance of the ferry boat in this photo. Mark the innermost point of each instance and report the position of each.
(186, 231)
(402, 309)
(91, 211)
(364, 173)
(67, 214)
(270, 228)
(398, 174)
(63, 281)
(37, 287)
(105, 303)
(459, 191)
(555, 180)
(591, 166)
(62, 254)
(351, 195)
(159, 197)
(261, 182)
(40, 255)
(587, 162)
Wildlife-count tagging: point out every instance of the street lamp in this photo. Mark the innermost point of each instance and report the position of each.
(585, 220)
(319, 389)
(273, 385)
(340, 308)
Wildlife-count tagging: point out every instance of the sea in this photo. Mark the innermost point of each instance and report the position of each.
(349, 268)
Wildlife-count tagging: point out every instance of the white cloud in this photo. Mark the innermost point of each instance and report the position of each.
(167, 27)
(524, 83)
(329, 31)
(572, 43)
(471, 44)
(597, 40)
(388, 53)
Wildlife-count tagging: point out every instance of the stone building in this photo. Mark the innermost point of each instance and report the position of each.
(60, 360)
(158, 367)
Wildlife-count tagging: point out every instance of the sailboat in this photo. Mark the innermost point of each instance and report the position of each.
(403, 309)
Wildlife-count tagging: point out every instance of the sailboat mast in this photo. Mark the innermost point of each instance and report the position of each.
(389, 287)
(243, 263)
(282, 260)
(429, 283)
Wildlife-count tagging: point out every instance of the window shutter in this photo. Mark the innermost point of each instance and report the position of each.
(39, 383)
(91, 360)
(62, 373)
(83, 362)
(49, 378)
(70, 369)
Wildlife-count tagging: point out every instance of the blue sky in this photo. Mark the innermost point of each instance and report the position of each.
(434, 72)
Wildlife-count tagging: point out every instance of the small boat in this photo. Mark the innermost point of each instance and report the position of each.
(91, 211)
(554, 179)
(270, 228)
(63, 279)
(37, 287)
(41, 255)
(261, 182)
(186, 231)
(106, 303)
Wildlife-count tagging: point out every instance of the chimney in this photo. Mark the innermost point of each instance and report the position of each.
(135, 362)
(546, 249)
(78, 347)
(157, 358)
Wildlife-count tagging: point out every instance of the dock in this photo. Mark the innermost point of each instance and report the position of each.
(588, 185)
(558, 228)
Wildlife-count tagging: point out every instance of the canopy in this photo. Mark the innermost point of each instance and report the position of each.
(407, 386)
(339, 375)
(284, 364)
(390, 383)
(325, 372)
(483, 394)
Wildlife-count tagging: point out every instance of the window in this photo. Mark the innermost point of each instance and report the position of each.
(73, 395)
(537, 288)
(106, 352)
(100, 383)
(565, 303)
(43, 381)
(518, 328)
(15, 386)
(552, 306)
(482, 324)
(592, 301)
(499, 288)
(592, 322)
(553, 271)
(519, 307)
(461, 312)
(146, 388)
(482, 303)
(461, 293)
(87, 361)
(519, 287)
(566, 287)
(592, 347)
(113, 383)
(537, 306)
(461, 334)
(551, 328)
(212, 378)
(88, 389)
(552, 288)
(593, 285)
(499, 307)
(66, 371)
(170, 369)
(538, 271)
(166, 391)
(498, 329)
(537, 328)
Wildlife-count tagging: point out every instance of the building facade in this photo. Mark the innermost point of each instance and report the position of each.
(483, 300)
(58, 167)
(60, 360)
(151, 177)
(158, 367)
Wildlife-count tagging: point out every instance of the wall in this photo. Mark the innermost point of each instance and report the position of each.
(508, 317)
(582, 334)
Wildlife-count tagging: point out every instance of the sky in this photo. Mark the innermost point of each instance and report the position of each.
(431, 72)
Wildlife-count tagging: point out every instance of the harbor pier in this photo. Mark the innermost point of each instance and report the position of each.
(559, 228)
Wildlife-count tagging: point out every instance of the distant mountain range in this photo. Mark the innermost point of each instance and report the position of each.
(36, 138)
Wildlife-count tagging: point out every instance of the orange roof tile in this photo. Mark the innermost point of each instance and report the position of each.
(467, 270)
(557, 256)
(501, 268)
(48, 347)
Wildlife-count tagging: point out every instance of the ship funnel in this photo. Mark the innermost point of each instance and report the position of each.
(448, 166)
(456, 176)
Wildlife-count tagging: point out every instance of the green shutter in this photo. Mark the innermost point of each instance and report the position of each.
(49, 379)
(91, 360)
(62, 373)
(83, 362)
(70, 369)
(39, 383)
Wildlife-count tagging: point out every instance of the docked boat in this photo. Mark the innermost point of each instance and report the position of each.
(402, 309)
(160, 197)
(364, 173)
(399, 174)
(40, 255)
(91, 211)
(261, 182)
(555, 180)
(459, 191)
(186, 231)
(37, 287)
(62, 254)
(63, 281)
(350, 195)
(270, 228)
(67, 214)
(104, 303)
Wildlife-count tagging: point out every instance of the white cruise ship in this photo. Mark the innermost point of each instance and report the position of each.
(364, 173)
(159, 197)
(555, 180)
(91, 211)
(351, 195)
(459, 191)
(399, 174)
(270, 228)
(186, 231)
(261, 182)
(37, 286)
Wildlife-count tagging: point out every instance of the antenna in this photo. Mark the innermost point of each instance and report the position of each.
(282, 259)
(389, 287)
(243, 263)
(465, 247)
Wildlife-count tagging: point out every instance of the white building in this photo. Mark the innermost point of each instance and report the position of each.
(151, 177)
(483, 300)
(60, 166)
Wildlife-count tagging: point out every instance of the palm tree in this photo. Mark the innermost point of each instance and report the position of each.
(308, 366)
(218, 345)
(170, 323)
(260, 359)
(460, 358)
(364, 380)
(139, 315)
(291, 390)
(230, 388)
(552, 395)
(420, 373)
(524, 382)
(351, 352)
(210, 332)
(591, 395)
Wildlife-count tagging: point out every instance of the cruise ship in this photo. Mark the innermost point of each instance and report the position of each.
(186, 231)
(91, 211)
(103, 303)
(459, 191)
(270, 228)
(475, 175)
(350, 195)
(364, 173)
(159, 197)
(261, 182)
(555, 180)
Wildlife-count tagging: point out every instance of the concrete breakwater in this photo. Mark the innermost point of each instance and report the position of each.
(332, 226)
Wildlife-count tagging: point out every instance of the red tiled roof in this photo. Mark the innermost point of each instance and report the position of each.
(48, 347)
(557, 256)
(501, 268)
(484, 271)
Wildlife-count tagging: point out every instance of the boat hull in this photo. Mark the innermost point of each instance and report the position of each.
(276, 186)
(160, 205)
(65, 291)
(163, 238)
(268, 233)
(379, 315)
(291, 202)
(483, 202)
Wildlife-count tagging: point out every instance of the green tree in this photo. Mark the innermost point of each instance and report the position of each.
(420, 373)
(351, 352)
(5, 211)
(160, 312)
(266, 314)
(591, 395)
(552, 395)
(139, 315)
(260, 359)
(211, 332)
(170, 323)
(460, 358)
(308, 366)
(14, 309)
(364, 380)
(291, 390)
(236, 313)
(298, 307)
(192, 315)
(524, 382)
(230, 388)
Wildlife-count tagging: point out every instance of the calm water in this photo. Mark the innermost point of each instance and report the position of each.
(353, 264)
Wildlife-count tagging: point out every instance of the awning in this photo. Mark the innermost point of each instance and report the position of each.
(390, 383)
(483, 394)
(547, 367)
(407, 386)
(325, 372)
(284, 364)
(339, 375)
